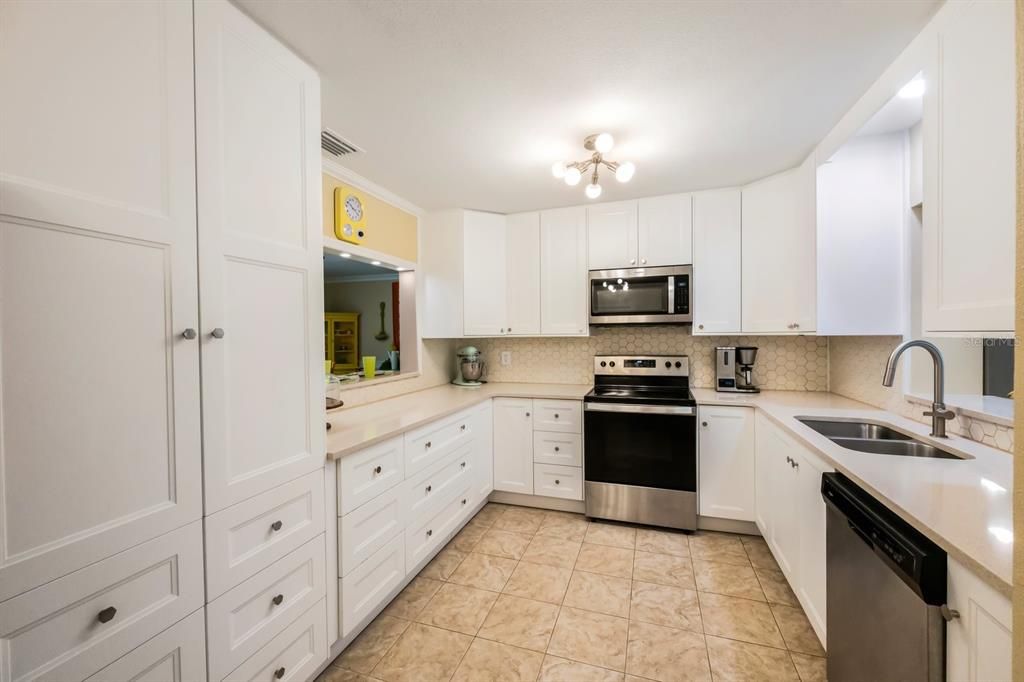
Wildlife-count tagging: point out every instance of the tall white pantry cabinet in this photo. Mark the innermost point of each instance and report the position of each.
(159, 251)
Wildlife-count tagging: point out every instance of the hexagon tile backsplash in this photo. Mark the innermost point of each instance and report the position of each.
(793, 363)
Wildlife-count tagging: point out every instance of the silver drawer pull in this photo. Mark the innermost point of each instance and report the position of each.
(429, 533)
(377, 469)
(278, 599)
(279, 673)
(462, 428)
(106, 615)
(463, 465)
(189, 334)
(427, 445)
(276, 525)
(463, 502)
(217, 333)
(429, 488)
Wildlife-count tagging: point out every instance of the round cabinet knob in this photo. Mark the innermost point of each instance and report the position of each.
(276, 526)
(106, 615)
(704, 424)
(429, 488)
(189, 334)
(700, 326)
(632, 261)
(377, 469)
(279, 673)
(428, 444)
(278, 599)
(604, 364)
(462, 428)
(510, 330)
(217, 333)
(527, 414)
(556, 415)
(643, 261)
(678, 364)
(556, 448)
(463, 465)
(612, 363)
(557, 481)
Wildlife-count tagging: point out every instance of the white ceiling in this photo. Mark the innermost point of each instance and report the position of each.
(467, 104)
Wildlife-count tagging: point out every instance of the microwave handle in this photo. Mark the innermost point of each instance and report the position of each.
(671, 294)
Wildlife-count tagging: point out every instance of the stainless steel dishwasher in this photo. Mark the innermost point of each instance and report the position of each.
(886, 592)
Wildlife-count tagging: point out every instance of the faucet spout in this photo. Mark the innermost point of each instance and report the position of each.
(939, 414)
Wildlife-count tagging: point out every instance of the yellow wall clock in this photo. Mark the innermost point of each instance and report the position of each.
(349, 215)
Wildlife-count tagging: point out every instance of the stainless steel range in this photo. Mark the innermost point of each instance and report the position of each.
(640, 441)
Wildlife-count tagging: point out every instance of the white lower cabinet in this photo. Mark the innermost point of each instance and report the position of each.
(979, 642)
(791, 515)
(554, 480)
(726, 442)
(248, 616)
(178, 654)
(513, 445)
(74, 626)
(369, 584)
(565, 449)
(367, 529)
(293, 655)
(423, 537)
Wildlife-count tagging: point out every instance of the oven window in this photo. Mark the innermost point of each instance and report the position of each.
(651, 450)
(629, 296)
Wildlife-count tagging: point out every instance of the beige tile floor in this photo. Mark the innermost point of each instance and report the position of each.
(526, 594)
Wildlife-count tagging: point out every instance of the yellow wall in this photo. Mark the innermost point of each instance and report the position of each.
(389, 230)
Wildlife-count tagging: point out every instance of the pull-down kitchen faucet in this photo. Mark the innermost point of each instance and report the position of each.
(938, 413)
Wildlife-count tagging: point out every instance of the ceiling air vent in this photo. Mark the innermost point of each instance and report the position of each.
(333, 144)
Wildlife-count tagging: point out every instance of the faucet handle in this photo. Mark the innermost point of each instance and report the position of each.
(941, 413)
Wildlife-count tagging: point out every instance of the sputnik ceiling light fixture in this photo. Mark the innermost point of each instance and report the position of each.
(600, 145)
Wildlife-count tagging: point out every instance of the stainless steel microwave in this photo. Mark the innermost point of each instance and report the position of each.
(642, 295)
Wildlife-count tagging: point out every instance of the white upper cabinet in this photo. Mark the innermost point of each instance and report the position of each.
(261, 267)
(564, 304)
(98, 283)
(968, 264)
(665, 228)
(483, 284)
(612, 235)
(779, 253)
(716, 262)
(522, 268)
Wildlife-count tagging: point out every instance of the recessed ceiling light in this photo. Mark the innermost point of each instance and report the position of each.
(400, 269)
(375, 262)
(346, 255)
(913, 89)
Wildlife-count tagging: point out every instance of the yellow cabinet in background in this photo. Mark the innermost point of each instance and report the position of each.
(341, 340)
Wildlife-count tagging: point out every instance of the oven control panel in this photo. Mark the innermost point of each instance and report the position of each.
(642, 365)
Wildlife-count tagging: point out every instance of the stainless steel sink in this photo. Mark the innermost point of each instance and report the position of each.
(875, 438)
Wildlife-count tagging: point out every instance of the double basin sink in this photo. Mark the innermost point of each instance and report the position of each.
(875, 438)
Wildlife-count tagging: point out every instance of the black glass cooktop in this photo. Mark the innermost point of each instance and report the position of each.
(649, 395)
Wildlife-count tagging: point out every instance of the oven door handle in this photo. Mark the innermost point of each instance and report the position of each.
(640, 409)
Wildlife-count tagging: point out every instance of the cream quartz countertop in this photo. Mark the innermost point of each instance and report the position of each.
(964, 506)
(355, 428)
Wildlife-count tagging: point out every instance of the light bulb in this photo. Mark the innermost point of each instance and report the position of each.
(611, 287)
(572, 176)
(604, 143)
(625, 286)
(604, 284)
(346, 255)
(913, 89)
(558, 169)
(625, 171)
(593, 190)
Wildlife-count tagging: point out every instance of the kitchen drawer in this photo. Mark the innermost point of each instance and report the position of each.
(247, 617)
(553, 480)
(367, 529)
(364, 475)
(563, 416)
(423, 537)
(292, 656)
(434, 442)
(429, 491)
(550, 447)
(178, 654)
(365, 588)
(74, 626)
(249, 536)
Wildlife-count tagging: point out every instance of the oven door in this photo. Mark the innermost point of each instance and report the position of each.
(653, 446)
(641, 295)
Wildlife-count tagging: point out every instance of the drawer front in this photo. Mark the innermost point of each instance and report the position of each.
(427, 492)
(553, 480)
(564, 416)
(74, 626)
(367, 529)
(364, 475)
(365, 588)
(178, 654)
(436, 441)
(423, 538)
(250, 615)
(292, 656)
(249, 536)
(565, 449)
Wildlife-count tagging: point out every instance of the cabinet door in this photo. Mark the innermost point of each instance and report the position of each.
(483, 284)
(665, 230)
(522, 258)
(778, 244)
(260, 257)
(778, 484)
(727, 462)
(716, 262)
(513, 445)
(764, 496)
(98, 283)
(484, 448)
(612, 235)
(811, 515)
(979, 643)
(969, 243)
(564, 307)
